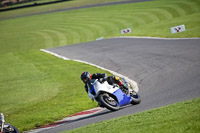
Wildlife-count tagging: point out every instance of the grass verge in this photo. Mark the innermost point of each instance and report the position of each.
(41, 89)
(50, 7)
(181, 117)
(37, 88)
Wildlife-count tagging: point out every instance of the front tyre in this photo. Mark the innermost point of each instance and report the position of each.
(108, 102)
(135, 98)
(10, 129)
(15, 130)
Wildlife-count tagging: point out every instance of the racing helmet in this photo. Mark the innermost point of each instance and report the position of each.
(2, 120)
(85, 75)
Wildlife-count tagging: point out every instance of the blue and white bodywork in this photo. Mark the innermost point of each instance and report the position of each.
(111, 96)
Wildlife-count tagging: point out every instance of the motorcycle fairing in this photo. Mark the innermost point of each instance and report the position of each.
(92, 91)
(122, 98)
(96, 87)
(105, 87)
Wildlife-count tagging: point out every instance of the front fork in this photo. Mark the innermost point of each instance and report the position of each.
(100, 105)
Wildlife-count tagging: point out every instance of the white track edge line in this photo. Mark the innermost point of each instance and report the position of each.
(143, 37)
(70, 118)
(133, 83)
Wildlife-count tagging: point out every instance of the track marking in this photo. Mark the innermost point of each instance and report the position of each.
(95, 110)
(133, 83)
(68, 119)
(143, 37)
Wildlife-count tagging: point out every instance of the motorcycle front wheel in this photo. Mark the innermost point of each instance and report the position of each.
(108, 102)
(9, 129)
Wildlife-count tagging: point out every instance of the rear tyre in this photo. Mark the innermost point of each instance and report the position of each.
(135, 98)
(108, 102)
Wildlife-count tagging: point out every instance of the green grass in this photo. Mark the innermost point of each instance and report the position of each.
(181, 117)
(37, 88)
(51, 7)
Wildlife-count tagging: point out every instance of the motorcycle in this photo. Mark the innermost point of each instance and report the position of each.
(5, 127)
(112, 96)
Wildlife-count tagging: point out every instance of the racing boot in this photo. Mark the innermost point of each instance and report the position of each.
(121, 85)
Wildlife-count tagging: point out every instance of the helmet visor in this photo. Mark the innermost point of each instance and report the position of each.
(85, 80)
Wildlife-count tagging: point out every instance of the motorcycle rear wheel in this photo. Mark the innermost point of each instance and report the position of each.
(108, 102)
(135, 98)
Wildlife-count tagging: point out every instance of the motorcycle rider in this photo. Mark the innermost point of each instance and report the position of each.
(86, 77)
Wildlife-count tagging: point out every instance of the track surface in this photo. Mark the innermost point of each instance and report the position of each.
(167, 71)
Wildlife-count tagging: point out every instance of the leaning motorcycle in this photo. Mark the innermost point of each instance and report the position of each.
(112, 96)
(5, 127)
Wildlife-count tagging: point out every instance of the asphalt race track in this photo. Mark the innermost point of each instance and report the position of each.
(166, 70)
